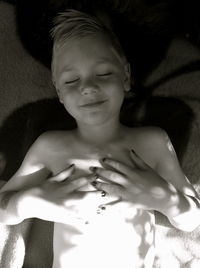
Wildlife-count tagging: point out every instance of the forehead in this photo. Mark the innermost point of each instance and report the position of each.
(77, 51)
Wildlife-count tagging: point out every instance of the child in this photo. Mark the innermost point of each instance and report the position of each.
(100, 205)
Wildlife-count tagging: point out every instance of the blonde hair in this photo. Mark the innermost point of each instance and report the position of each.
(73, 24)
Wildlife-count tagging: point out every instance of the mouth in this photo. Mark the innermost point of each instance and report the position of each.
(92, 104)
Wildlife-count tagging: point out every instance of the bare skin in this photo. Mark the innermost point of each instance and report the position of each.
(91, 80)
(64, 149)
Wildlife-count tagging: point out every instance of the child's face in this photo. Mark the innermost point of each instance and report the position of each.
(91, 78)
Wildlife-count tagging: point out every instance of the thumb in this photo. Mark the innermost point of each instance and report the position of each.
(64, 174)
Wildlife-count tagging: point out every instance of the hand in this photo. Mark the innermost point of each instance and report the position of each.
(138, 184)
(60, 199)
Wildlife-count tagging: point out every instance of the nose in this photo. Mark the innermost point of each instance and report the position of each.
(88, 87)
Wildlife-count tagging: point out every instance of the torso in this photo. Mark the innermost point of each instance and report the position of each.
(118, 237)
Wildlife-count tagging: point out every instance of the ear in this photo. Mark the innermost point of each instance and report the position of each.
(59, 95)
(57, 89)
(127, 77)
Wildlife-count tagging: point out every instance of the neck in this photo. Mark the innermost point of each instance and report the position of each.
(99, 134)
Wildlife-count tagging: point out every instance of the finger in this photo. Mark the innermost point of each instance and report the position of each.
(89, 199)
(110, 189)
(137, 160)
(117, 165)
(110, 176)
(120, 205)
(79, 182)
(63, 174)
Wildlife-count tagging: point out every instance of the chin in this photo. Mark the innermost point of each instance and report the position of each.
(93, 120)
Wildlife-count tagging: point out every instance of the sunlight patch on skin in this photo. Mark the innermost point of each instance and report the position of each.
(100, 237)
(102, 232)
(147, 227)
(172, 188)
(170, 146)
(20, 251)
(188, 220)
(84, 164)
(32, 169)
(149, 237)
(187, 190)
(83, 169)
(148, 261)
(99, 232)
(158, 192)
(174, 199)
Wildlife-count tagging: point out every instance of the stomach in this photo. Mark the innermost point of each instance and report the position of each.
(114, 238)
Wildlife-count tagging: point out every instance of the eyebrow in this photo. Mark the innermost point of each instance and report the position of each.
(105, 60)
(66, 68)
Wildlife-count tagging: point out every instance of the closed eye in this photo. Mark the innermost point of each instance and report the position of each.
(71, 81)
(104, 74)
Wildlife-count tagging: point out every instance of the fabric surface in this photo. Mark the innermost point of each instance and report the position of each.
(28, 108)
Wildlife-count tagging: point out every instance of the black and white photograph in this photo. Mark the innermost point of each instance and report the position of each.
(99, 134)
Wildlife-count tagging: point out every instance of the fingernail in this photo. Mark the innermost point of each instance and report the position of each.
(94, 183)
(98, 211)
(103, 193)
(72, 165)
(93, 169)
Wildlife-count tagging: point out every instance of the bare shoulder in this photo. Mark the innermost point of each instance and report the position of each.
(149, 142)
(54, 137)
(51, 138)
(36, 165)
(49, 142)
(41, 151)
(148, 135)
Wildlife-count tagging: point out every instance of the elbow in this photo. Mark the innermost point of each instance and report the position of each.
(9, 208)
(7, 218)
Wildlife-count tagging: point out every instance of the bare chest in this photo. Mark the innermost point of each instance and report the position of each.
(84, 156)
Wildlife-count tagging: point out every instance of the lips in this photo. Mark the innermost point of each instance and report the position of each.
(92, 104)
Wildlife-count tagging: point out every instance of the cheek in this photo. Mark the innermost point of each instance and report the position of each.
(68, 102)
(117, 90)
(114, 86)
(116, 99)
(66, 94)
(67, 99)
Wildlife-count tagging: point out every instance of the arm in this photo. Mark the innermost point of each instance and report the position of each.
(165, 188)
(31, 192)
(185, 203)
(30, 174)
(56, 199)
